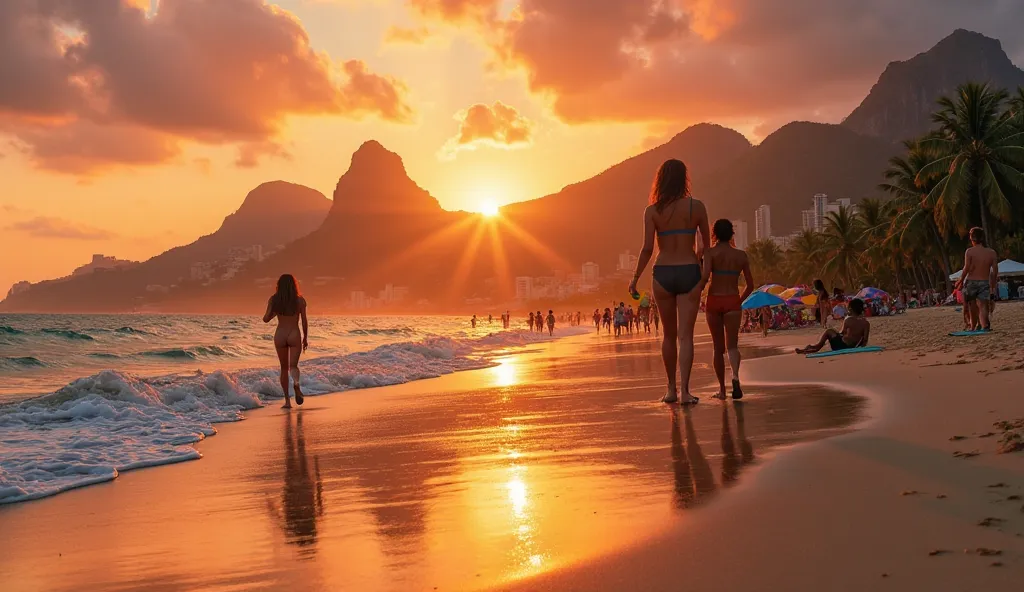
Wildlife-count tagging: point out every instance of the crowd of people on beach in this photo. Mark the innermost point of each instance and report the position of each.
(693, 255)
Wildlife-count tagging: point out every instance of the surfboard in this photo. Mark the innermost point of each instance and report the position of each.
(852, 350)
(969, 333)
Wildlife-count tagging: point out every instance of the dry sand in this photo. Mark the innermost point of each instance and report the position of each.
(557, 471)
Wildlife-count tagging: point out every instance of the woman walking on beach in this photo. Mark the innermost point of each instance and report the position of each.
(288, 305)
(723, 308)
(673, 219)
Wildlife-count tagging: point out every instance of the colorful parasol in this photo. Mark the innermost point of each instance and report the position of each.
(775, 289)
(761, 299)
(797, 292)
(872, 294)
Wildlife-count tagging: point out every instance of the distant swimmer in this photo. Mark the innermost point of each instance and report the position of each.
(551, 322)
(978, 281)
(288, 305)
(473, 321)
(674, 219)
(540, 322)
(723, 308)
(530, 321)
(490, 319)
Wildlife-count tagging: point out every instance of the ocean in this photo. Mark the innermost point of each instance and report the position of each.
(83, 397)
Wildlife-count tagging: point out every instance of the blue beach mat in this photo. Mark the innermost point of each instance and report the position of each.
(970, 333)
(852, 350)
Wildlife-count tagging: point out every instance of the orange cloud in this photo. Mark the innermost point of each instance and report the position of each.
(250, 153)
(47, 227)
(497, 125)
(685, 61)
(400, 35)
(214, 72)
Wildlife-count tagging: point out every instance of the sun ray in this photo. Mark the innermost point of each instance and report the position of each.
(417, 247)
(466, 261)
(501, 270)
(538, 248)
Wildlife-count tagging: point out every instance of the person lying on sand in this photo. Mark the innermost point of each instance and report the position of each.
(854, 332)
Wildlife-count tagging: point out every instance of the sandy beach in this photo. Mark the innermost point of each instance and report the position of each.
(556, 470)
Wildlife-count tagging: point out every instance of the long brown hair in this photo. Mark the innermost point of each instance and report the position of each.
(286, 298)
(670, 184)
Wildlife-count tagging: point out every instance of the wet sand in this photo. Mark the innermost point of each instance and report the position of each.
(555, 469)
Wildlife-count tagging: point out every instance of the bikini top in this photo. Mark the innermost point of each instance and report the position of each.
(692, 231)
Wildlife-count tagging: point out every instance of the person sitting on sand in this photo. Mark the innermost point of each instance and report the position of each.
(288, 305)
(854, 332)
(978, 280)
(551, 322)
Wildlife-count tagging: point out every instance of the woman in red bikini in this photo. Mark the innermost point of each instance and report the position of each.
(723, 307)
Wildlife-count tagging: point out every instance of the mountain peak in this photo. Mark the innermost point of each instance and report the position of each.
(900, 104)
(282, 195)
(378, 172)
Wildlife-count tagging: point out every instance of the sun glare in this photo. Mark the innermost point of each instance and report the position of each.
(489, 209)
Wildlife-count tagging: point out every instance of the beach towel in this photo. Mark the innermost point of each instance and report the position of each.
(852, 350)
(970, 333)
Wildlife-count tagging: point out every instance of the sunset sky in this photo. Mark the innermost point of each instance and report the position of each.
(130, 126)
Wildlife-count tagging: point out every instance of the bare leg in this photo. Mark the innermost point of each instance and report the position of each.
(732, 342)
(293, 369)
(686, 319)
(973, 313)
(669, 354)
(715, 323)
(983, 311)
(282, 356)
(810, 349)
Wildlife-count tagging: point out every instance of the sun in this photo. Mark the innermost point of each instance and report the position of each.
(489, 209)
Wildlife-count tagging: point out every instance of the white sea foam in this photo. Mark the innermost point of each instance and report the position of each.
(113, 421)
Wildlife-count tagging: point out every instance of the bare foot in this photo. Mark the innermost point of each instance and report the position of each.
(737, 392)
(671, 397)
(720, 395)
(298, 394)
(287, 405)
(689, 400)
(802, 350)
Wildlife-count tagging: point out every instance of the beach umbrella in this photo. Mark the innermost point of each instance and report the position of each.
(797, 292)
(795, 303)
(872, 294)
(809, 299)
(761, 299)
(775, 289)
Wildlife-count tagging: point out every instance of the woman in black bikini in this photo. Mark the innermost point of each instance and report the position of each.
(673, 218)
(288, 306)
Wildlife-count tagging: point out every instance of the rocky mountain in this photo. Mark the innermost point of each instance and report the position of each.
(270, 216)
(900, 105)
(790, 166)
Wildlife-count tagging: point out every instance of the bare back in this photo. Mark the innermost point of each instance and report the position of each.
(729, 262)
(980, 262)
(856, 330)
(675, 228)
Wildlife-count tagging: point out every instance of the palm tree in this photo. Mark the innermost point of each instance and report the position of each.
(804, 257)
(977, 158)
(912, 213)
(766, 260)
(843, 245)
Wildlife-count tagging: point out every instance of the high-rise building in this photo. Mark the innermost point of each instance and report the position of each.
(359, 299)
(591, 273)
(808, 220)
(627, 262)
(524, 288)
(740, 236)
(763, 222)
(820, 209)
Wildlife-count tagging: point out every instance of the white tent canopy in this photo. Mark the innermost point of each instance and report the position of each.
(1007, 268)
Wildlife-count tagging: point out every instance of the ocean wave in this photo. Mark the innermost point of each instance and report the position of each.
(131, 331)
(7, 330)
(388, 331)
(100, 425)
(68, 334)
(103, 355)
(187, 353)
(21, 362)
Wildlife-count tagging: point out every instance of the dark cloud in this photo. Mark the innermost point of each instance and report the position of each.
(48, 227)
(497, 125)
(683, 61)
(211, 71)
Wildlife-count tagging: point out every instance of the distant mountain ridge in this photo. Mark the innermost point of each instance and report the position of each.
(272, 214)
(900, 104)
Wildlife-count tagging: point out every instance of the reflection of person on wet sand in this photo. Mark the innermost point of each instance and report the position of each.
(692, 472)
(731, 464)
(302, 496)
